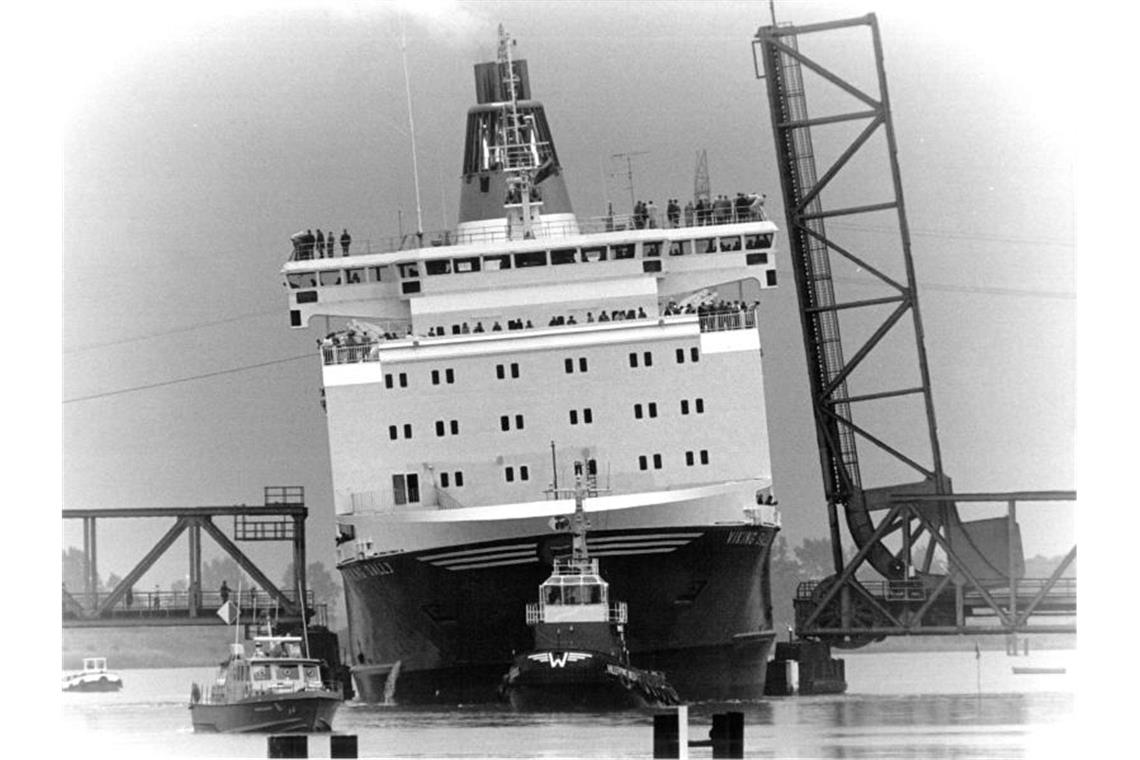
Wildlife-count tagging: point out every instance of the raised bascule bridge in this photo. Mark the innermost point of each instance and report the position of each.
(918, 568)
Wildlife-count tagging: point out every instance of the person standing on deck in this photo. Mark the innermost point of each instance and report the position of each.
(320, 244)
(345, 241)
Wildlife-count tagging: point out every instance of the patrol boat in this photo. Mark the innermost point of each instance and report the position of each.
(580, 660)
(274, 688)
(93, 677)
(468, 369)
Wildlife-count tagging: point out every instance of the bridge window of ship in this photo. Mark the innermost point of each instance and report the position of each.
(624, 251)
(496, 262)
(651, 249)
(331, 277)
(406, 488)
(730, 243)
(302, 279)
(563, 256)
(681, 248)
(354, 276)
(467, 265)
(374, 274)
(408, 271)
(705, 245)
(530, 259)
(438, 266)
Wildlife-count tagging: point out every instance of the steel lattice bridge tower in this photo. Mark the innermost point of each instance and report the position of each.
(934, 573)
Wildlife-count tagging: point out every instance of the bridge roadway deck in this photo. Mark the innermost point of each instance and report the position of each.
(173, 608)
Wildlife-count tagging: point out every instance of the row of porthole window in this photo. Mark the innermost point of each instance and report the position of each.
(691, 458)
(518, 422)
(644, 359)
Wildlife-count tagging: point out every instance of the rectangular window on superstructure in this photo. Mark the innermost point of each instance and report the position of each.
(648, 358)
(509, 473)
(438, 266)
(643, 462)
(296, 279)
(514, 369)
(623, 251)
(388, 380)
(403, 380)
(524, 473)
(518, 422)
(637, 413)
(407, 431)
(569, 366)
(680, 356)
(756, 242)
(331, 277)
(467, 265)
(435, 377)
(705, 245)
(632, 360)
(440, 428)
(495, 263)
(531, 259)
(504, 423)
(694, 354)
(730, 243)
(454, 426)
(700, 406)
(582, 366)
(449, 376)
(652, 408)
(651, 249)
(444, 480)
(684, 406)
(393, 432)
(689, 458)
(657, 461)
(704, 456)
(375, 274)
(459, 479)
(573, 416)
(563, 256)
(500, 372)
(587, 416)
(681, 248)
(407, 271)
(596, 253)
(354, 276)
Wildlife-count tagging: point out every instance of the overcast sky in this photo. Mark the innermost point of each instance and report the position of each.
(196, 142)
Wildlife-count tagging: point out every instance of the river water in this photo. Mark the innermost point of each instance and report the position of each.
(898, 705)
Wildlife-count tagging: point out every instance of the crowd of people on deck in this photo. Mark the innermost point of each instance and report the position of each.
(746, 207)
(307, 245)
(720, 307)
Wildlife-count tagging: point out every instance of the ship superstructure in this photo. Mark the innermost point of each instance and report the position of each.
(480, 364)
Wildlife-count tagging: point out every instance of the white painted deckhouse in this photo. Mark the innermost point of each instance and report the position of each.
(477, 366)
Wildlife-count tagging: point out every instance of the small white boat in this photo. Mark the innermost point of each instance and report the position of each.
(93, 677)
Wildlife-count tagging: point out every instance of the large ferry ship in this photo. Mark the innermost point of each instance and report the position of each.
(472, 369)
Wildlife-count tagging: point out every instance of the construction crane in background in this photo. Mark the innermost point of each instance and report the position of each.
(628, 158)
(918, 567)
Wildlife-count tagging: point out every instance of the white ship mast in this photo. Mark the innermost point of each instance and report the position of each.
(521, 155)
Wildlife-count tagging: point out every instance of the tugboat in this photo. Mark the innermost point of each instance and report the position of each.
(93, 677)
(276, 688)
(580, 660)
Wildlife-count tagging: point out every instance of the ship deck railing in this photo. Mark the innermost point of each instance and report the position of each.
(556, 228)
(618, 613)
(368, 350)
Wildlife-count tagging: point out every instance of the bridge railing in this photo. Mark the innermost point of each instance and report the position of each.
(155, 603)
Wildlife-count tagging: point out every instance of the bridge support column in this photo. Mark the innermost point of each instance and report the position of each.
(92, 574)
(195, 569)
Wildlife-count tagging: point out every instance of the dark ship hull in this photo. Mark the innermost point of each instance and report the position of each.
(425, 633)
(560, 681)
(283, 713)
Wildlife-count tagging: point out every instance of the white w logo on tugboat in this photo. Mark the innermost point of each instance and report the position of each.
(559, 661)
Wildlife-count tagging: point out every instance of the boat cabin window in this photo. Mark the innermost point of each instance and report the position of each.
(705, 245)
(625, 251)
(730, 243)
(259, 672)
(438, 266)
(754, 242)
(301, 280)
(287, 672)
(554, 595)
(313, 674)
(374, 274)
(563, 256)
(467, 265)
(597, 253)
(532, 259)
(494, 263)
(651, 249)
(354, 276)
(330, 278)
(408, 271)
(681, 248)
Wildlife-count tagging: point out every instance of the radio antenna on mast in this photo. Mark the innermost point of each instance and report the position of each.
(412, 129)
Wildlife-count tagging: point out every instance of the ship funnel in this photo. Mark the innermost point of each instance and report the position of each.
(512, 185)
